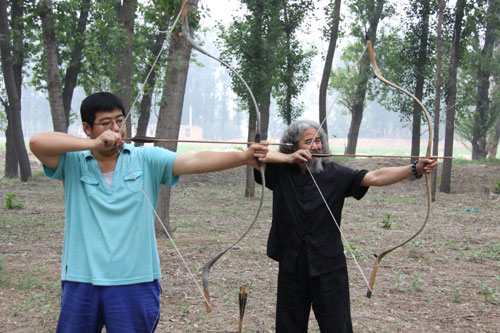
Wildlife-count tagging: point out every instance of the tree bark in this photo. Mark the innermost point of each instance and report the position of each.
(445, 185)
(123, 81)
(13, 95)
(437, 96)
(482, 121)
(250, 181)
(75, 63)
(16, 24)
(359, 103)
(420, 78)
(172, 101)
(54, 88)
(327, 69)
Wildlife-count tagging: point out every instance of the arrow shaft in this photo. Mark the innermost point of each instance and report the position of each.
(380, 156)
(150, 140)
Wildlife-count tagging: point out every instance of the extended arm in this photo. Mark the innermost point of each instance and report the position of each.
(47, 147)
(300, 155)
(209, 161)
(392, 175)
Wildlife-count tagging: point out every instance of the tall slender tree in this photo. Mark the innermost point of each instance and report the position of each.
(451, 95)
(332, 33)
(16, 24)
(437, 96)
(484, 116)
(172, 100)
(123, 78)
(424, 10)
(371, 11)
(14, 101)
(54, 88)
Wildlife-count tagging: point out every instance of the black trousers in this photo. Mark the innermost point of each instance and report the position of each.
(328, 294)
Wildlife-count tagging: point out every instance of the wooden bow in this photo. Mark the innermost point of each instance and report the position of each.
(206, 268)
(427, 176)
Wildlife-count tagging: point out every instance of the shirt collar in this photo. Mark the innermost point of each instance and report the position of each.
(87, 154)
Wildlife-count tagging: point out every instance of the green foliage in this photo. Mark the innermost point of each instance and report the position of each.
(2, 265)
(418, 282)
(496, 189)
(457, 292)
(490, 294)
(386, 223)
(269, 56)
(9, 201)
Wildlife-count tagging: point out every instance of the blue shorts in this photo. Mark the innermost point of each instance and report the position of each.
(127, 308)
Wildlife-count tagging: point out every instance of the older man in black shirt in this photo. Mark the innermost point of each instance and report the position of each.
(304, 238)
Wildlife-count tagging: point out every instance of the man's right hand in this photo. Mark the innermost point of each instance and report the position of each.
(108, 140)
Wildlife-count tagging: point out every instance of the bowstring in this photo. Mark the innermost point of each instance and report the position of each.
(148, 200)
(342, 234)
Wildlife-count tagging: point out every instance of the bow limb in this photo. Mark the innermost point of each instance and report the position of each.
(206, 268)
(427, 176)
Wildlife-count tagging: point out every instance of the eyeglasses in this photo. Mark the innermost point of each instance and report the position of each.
(109, 124)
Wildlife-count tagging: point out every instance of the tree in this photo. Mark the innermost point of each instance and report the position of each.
(423, 8)
(333, 34)
(292, 61)
(17, 27)
(484, 117)
(59, 120)
(371, 11)
(157, 17)
(13, 95)
(123, 78)
(75, 62)
(268, 56)
(451, 94)
(437, 96)
(172, 100)
(64, 25)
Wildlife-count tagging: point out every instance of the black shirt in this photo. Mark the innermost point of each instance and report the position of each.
(300, 217)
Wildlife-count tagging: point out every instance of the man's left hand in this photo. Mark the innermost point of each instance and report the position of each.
(426, 165)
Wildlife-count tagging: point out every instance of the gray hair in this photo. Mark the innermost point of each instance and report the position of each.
(294, 131)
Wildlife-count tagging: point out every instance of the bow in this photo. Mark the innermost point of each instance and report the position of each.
(211, 262)
(427, 176)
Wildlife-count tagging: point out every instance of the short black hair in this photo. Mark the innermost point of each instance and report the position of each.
(101, 101)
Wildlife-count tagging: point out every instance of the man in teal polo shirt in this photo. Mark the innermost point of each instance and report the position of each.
(110, 264)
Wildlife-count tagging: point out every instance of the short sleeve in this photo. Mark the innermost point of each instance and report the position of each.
(58, 172)
(356, 190)
(162, 163)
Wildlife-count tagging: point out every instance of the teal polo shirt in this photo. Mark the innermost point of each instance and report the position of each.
(109, 237)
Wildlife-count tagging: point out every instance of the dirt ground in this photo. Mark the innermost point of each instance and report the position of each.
(446, 280)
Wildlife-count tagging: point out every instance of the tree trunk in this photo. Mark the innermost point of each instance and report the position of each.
(359, 103)
(327, 69)
(54, 88)
(250, 181)
(445, 185)
(492, 145)
(14, 102)
(11, 163)
(420, 79)
(494, 138)
(75, 63)
(437, 96)
(123, 81)
(172, 101)
(16, 24)
(482, 118)
(145, 108)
